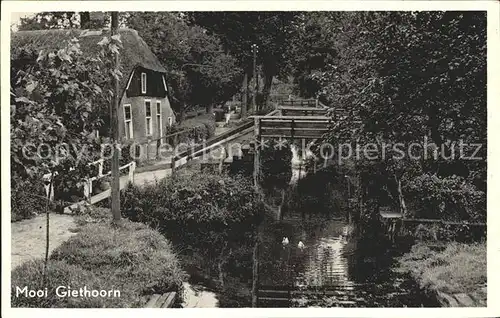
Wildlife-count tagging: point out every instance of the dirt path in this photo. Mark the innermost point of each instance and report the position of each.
(151, 176)
(28, 236)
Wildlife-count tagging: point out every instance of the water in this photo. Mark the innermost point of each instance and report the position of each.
(333, 270)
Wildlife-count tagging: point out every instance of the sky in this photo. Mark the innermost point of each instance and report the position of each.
(16, 18)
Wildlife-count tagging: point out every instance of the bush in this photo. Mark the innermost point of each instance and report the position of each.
(201, 127)
(211, 217)
(193, 197)
(133, 259)
(450, 198)
(27, 199)
(330, 199)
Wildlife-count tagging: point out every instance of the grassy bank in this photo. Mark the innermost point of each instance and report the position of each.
(133, 259)
(454, 268)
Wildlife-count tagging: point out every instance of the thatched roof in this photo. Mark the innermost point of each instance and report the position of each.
(135, 51)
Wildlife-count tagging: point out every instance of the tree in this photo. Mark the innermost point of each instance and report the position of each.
(50, 20)
(271, 31)
(408, 76)
(65, 20)
(201, 73)
(56, 97)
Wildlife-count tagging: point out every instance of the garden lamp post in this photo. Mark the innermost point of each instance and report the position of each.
(254, 97)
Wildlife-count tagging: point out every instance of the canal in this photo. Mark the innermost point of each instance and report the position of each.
(334, 268)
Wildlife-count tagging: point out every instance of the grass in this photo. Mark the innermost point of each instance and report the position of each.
(134, 259)
(458, 268)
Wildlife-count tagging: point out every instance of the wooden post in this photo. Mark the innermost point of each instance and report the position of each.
(49, 186)
(115, 136)
(87, 189)
(100, 167)
(255, 271)
(172, 165)
(131, 172)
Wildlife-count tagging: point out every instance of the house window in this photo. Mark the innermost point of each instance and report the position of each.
(149, 122)
(127, 114)
(143, 83)
(170, 121)
(164, 83)
(158, 120)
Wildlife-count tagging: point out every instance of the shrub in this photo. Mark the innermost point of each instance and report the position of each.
(27, 199)
(133, 259)
(212, 217)
(202, 127)
(193, 197)
(450, 198)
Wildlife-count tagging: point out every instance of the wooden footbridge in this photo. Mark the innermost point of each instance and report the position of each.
(294, 120)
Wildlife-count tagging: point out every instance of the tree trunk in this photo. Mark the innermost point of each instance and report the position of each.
(402, 203)
(182, 113)
(85, 20)
(47, 228)
(115, 135)
(220, 264)
(266, 90)
(255, 270)
(210, 108)
(244, 97)
(249, 100)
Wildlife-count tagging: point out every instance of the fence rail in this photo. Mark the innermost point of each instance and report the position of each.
(209, 144)
(301, 102)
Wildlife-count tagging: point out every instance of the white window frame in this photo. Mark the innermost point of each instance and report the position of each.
(159, 119)
(144, 83)
(150, 126)
(164, 83)
(131, 131)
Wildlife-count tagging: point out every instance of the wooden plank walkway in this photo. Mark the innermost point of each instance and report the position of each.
(161, 301)
(476, 299)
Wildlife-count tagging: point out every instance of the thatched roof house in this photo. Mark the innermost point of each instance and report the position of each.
(144, 104)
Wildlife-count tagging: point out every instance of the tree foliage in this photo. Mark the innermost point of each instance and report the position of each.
(201, 73)
(57, 98)
(270, 31)
(407, 76)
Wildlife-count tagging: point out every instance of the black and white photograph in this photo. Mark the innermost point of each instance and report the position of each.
(249, 158)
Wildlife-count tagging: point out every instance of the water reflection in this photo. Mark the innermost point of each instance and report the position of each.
(330, 271)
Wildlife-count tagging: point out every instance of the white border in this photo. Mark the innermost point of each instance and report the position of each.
(493, 217)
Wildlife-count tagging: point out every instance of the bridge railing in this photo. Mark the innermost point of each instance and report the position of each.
(299, 103)
(208, 145)
(307, 127)
(302, 111)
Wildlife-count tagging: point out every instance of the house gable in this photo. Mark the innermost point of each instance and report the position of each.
(154, 83)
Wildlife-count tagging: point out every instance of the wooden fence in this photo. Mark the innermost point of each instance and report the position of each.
(88, 182)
